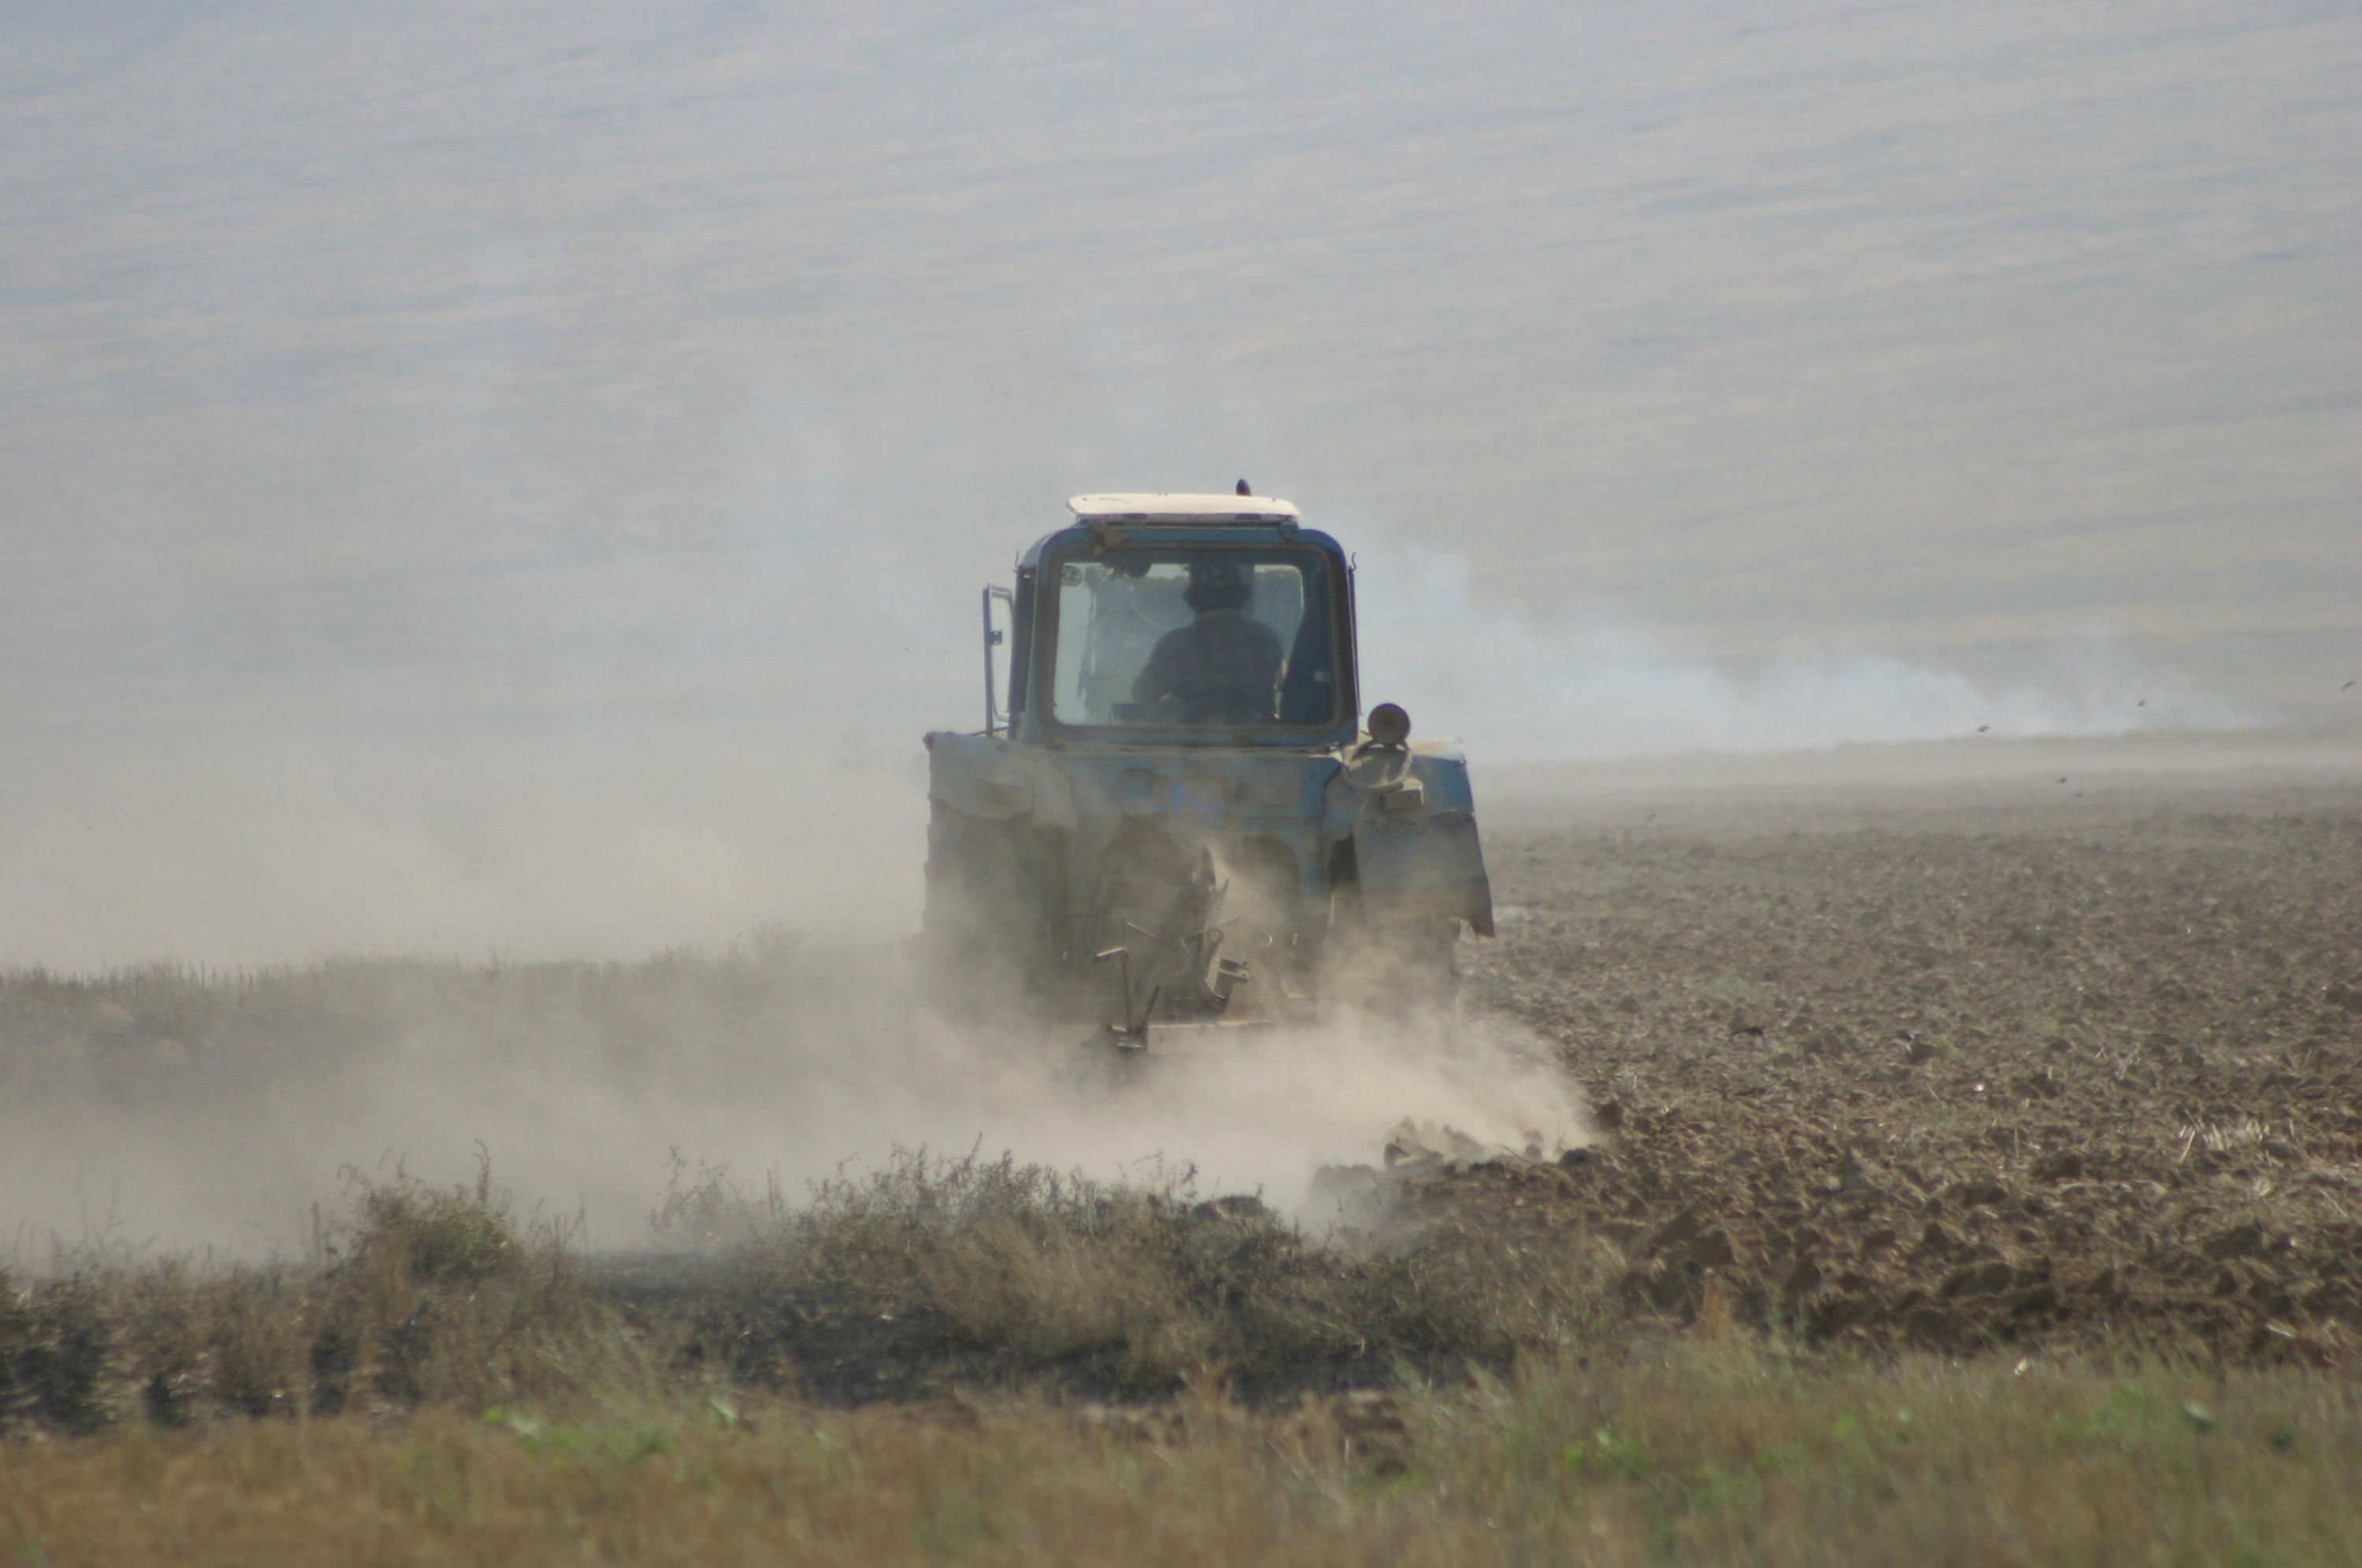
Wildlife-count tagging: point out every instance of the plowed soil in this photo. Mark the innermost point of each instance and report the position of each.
(1952, 1070)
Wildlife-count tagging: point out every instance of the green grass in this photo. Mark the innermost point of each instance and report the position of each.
(1734, 1453)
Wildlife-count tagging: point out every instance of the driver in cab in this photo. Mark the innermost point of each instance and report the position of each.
(1222, 668)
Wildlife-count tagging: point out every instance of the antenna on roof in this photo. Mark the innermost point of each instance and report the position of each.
(1243, 488)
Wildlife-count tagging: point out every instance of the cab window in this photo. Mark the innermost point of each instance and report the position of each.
(1209, 638)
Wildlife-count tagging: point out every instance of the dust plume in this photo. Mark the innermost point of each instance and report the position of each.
(159, 1109)
(1588, 684)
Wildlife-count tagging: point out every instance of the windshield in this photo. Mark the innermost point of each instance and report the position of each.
(1204, 638)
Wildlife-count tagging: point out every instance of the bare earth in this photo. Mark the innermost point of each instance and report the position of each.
(2002, 1061)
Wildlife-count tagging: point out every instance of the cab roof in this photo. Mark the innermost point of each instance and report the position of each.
(1182, 508)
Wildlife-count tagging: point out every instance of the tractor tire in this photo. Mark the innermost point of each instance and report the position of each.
(981, 944)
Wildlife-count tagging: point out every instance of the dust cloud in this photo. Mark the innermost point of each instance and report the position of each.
(1584, 683)
(238, 962)
(235, 848)
(788, 1058)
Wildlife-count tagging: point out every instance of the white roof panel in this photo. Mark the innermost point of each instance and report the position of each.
(1182, 508)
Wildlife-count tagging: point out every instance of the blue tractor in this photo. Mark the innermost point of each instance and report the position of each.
(1175, 819)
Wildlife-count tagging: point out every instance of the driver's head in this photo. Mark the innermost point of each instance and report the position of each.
(1215, 584)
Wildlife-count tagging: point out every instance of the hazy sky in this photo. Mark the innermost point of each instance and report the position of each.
(432, 431)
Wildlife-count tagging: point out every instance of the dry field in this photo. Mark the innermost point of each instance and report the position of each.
(1979, 1180)
(1964, 1073)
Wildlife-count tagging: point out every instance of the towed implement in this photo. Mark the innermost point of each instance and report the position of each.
(1174, 822)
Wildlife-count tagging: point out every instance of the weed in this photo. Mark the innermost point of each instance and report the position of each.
(704, 1209)
(437, 1294)
(458, 1233)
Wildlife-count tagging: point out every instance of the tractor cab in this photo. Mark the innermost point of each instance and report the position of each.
(1179, 621)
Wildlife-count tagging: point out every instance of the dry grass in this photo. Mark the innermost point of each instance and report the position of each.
(1730, 1457)
(1135, 1291)
(424, 1295)
(926, 1272)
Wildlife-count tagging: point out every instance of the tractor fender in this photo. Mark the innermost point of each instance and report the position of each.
(1411, 820)
(994, 779)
